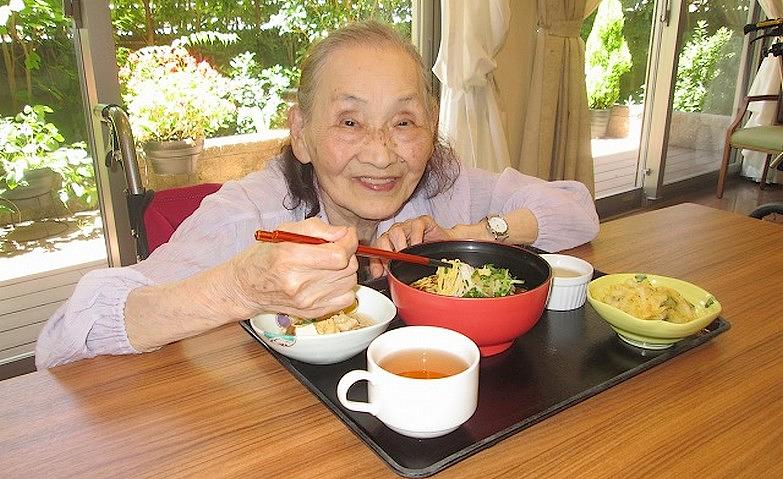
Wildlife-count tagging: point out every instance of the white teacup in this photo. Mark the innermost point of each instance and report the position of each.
(417, 407)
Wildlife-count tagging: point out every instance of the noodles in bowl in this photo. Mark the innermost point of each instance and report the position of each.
(464, 281)
(493, 323)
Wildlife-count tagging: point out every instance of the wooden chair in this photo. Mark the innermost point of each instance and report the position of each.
(767, 139)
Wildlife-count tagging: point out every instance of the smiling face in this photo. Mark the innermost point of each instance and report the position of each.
(369, 133)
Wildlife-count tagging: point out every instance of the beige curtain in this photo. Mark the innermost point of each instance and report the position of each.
(556, 137)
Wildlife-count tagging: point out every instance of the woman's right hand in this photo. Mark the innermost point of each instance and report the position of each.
(299, 279)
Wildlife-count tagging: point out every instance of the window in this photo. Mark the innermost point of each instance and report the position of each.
(252, 49)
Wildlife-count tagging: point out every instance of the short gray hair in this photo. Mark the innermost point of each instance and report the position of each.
(366, 33)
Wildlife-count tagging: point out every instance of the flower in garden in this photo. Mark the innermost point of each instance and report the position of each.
(171, 96)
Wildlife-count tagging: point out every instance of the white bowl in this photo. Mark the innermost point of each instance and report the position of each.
(310, 347)
(568, 292)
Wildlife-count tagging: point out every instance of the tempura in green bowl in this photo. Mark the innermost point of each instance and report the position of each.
(651, 311)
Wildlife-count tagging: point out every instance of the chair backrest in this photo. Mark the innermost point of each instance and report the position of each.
(169, 208)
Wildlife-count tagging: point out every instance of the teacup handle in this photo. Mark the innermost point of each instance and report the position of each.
(346, 382)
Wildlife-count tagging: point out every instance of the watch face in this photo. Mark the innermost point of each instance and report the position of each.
(497, 224)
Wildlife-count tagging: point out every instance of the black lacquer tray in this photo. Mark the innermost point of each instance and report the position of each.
(566, 358)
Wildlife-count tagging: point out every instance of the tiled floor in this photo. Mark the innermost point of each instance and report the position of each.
(30, 248)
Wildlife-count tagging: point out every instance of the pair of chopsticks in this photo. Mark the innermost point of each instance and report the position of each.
(278, 236)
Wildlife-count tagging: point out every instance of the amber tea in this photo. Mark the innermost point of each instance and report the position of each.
(423, 364)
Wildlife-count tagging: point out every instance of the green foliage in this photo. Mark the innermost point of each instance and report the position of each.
(307, 21)
(28, 142)
(637, 27)
(698, 67)
(719, 99)
(607, 56)
(258, 94)
(250, 32)
(639, 16)
(171, 96)
(39, 67)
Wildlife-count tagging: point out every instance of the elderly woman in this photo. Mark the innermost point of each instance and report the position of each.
(363, 166)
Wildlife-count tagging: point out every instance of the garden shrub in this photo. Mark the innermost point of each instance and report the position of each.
(698, 67)
(258, 94)
(172, 96)
(29, 142)
(607, 56)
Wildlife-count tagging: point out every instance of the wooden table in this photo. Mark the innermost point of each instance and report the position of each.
(218, 405)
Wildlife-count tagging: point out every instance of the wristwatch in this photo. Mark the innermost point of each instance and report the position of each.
(497, 227)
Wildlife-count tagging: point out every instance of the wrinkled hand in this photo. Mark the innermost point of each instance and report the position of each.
(299, 279)
(401, 235)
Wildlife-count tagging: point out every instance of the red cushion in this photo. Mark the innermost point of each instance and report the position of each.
(169, 208)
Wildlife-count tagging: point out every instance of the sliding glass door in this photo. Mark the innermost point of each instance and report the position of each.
(702, 103)
(674, 64)
(617, 44)
(51, 227)
(49, 215)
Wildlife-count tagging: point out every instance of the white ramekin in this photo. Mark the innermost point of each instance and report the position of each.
(568, 293)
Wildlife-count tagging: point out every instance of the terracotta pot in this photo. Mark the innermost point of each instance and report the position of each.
(618, 122)
(175, 157)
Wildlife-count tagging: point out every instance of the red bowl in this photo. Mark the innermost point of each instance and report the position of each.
(492, 323)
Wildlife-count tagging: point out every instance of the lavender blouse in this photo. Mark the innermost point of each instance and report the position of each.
(91, 322)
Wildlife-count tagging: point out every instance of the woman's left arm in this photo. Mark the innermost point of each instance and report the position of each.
(522, 228)
(551, 215)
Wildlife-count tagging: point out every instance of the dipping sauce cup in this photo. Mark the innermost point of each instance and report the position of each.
(570, 276)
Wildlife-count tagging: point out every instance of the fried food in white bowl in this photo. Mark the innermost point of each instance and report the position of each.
(332, 338)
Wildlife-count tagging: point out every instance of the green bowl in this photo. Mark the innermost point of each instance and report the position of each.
(653, 334)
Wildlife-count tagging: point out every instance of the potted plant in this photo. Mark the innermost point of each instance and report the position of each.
(607, 60)
(173, 102)
(33, 155)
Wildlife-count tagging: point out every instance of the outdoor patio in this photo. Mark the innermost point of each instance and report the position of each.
(615, 164)
(32, 248)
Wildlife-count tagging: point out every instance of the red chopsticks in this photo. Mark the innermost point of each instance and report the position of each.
(278, 236)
